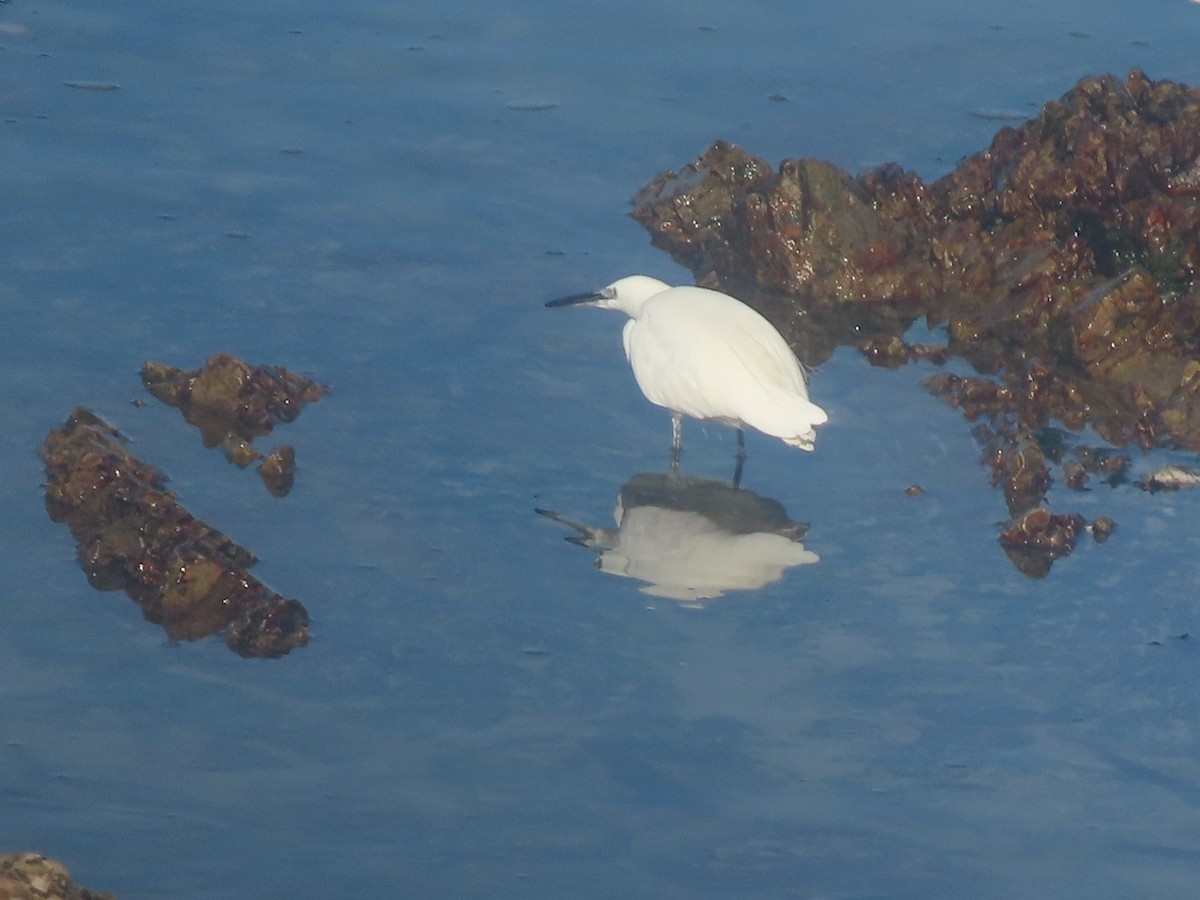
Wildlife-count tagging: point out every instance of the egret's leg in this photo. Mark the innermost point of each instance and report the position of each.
(741, 459)
(676, 441)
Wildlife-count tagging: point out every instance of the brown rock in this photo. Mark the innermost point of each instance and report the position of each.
(133, 535)
(227, 396)
(1038, 537)
(1062, 260)
(278, 470)
(31, 876)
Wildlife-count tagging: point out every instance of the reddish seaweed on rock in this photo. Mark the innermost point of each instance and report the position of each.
(1061, 262)
(232, 403)
(133, 535)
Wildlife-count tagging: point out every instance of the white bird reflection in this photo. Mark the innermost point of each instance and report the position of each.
(693, 539)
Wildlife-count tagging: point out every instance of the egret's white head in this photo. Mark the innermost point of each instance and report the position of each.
(628, 294)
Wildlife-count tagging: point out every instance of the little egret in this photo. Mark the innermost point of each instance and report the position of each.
(703, 354)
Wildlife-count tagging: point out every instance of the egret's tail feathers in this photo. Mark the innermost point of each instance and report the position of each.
(816, 415)
(806, 441)
(798, 427)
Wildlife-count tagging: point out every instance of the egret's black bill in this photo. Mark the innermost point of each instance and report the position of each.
(577, 299)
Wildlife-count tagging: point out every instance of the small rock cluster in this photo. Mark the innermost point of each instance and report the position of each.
(233, 403)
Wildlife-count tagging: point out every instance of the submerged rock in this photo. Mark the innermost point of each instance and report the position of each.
(133, 535)
(1061, 261)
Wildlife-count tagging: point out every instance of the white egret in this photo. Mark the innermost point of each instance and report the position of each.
(703, 354)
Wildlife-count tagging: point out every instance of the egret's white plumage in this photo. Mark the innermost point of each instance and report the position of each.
(705, 355)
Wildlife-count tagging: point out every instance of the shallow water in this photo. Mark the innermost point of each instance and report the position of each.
(383, 198)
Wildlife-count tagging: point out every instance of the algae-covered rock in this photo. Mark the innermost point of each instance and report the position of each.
(133, 535)
(1061, 260)
(232, 403)
(31, 876)
(227, 396)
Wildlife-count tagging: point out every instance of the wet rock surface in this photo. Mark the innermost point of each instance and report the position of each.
(31, 876)
(1061, 263)
(1038, 537)
(232, 403)
(133, 535)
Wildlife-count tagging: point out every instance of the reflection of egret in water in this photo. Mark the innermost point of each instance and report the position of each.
(692, 539)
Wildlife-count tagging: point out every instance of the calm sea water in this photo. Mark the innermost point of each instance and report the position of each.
(383, 196)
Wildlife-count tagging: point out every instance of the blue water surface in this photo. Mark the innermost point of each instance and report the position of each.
(383, 196)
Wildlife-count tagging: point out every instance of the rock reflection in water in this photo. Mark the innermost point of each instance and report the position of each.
(693, 539)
